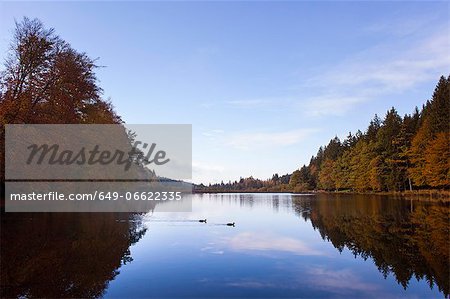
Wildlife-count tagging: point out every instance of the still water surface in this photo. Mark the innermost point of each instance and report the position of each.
(281, 246)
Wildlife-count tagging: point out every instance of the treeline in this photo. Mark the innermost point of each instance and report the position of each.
(275, 184)
(393, 154)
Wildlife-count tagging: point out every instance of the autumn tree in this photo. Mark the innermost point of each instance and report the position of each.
(432, 135)
(46, 81)
(341, 171)
(326, 179)
(437, 157)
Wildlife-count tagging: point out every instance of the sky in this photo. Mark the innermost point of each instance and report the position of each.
(263, 83)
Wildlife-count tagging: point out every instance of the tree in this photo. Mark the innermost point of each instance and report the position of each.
(375, 174)
(417, 154)
(428, 140)
(46, 81)
(300, 180)
(341, 171)
(439, 113)
(326, 175)
(372, 130)
(360, 166)
(400, 158)
(390, 172)
(333, 150)
(437, 157)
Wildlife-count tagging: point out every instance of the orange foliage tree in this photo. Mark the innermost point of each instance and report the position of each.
(46, 81)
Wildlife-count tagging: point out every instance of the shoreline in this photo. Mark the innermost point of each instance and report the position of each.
(424, 195)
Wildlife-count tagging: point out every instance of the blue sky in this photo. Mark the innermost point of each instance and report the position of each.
(264, 84)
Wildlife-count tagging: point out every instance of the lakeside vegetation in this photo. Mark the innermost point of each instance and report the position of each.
(393, 154)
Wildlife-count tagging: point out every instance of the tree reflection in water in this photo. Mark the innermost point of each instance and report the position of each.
(64, 254)
(403, 240)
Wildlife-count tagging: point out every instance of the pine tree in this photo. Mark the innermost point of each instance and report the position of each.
(440, 107)
(390, 173)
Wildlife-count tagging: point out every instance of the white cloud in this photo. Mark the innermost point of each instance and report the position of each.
(259, 140)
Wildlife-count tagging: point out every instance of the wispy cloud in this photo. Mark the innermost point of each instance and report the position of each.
(258, 140)
(385, 69)
(376, 72)
(401, 27)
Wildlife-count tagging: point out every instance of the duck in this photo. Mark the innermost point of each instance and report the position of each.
(202, 220)
(230, 224)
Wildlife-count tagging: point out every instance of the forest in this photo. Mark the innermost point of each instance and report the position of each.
(393, 154)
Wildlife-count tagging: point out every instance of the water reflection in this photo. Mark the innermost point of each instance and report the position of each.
(269, 242)
(282, 246)
(403, 239)
(62, 254)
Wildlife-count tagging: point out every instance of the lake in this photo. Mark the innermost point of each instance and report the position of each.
(282, 245)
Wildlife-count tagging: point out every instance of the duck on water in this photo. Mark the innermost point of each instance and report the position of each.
(228, 224)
